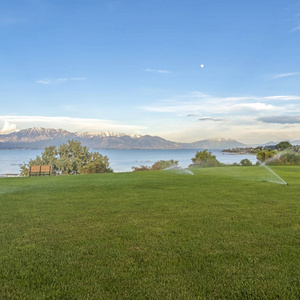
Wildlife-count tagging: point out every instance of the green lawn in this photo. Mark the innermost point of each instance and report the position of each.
(223, 233)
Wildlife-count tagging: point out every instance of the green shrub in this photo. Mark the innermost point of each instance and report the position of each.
(164, 164)
(141, 168)
(287, 159)
(205, 159)
(159, 165)
(264, 155)
(246, 162)
(285, 145)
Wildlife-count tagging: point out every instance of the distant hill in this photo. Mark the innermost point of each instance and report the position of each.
(216, 143)
(297, 142)
(39, 138)
(270, 143)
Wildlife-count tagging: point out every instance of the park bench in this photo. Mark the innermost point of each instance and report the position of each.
(39, 170)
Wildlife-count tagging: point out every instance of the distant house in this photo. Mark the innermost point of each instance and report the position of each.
(272, 147)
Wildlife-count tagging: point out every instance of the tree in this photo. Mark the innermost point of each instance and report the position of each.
(205, 159)
(246, 162)
(288, 158)
(285, 145)
(159, 165)
(164, 164)
(71, 158)
(264, 155)
(141, 168)
(24, 170)
(97, 163)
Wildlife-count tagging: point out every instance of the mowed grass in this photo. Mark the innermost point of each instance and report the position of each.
(223, 233)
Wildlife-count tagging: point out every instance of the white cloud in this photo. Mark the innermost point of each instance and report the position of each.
(295, 29)
(201, 104)
(248, 131)
(68, 123)
(296, 7)
(59, 80)
(209, 116)
(78, 78)
(282, 98)
(228, 117)
(158, 71)
(257, 106)
(8, 128)
(277, 76)
(62, 79)
(44, 81)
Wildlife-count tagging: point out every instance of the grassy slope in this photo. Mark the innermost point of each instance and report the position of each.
(224, 233)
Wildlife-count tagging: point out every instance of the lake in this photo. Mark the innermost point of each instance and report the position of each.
(120, 160)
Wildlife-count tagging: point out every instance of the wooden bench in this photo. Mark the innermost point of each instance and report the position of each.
(39, 170)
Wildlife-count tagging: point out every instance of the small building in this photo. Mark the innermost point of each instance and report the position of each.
(272, 147)
(11, 175)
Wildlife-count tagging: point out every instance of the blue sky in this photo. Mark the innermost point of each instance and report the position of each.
(183, 70)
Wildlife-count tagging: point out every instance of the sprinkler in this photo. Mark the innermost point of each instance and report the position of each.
(271, 171)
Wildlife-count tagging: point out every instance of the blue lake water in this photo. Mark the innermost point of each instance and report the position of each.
(120, 160)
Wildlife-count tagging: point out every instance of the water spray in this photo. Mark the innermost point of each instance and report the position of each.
(271, 171)
(181, 170)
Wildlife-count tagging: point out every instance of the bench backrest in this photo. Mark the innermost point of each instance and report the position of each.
(46, 168)
(40, 170)
(34, 169)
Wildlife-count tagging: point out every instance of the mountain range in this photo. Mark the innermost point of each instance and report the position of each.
(39, 138)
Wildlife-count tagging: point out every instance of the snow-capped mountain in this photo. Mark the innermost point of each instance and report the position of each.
(39, 138)
(106, 134)
(217, 143)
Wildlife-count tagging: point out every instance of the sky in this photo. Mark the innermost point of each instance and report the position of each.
(184, 70)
